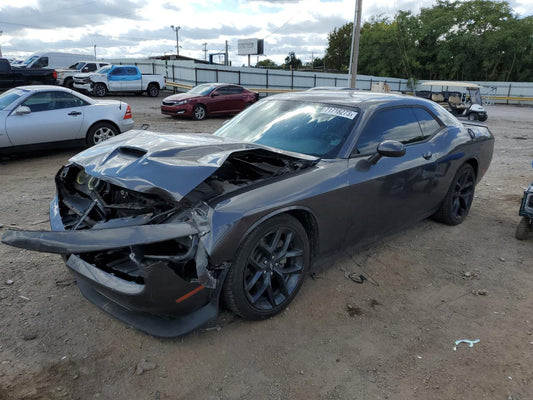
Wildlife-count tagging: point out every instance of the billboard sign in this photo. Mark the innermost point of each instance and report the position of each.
(247, 47)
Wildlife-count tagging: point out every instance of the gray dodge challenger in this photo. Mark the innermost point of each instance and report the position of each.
(159, 228)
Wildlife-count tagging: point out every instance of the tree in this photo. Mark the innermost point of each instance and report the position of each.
(266, 63)
(457, 40)
(339, 46)
(292, 62)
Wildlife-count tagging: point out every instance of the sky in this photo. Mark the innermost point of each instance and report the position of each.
(142, 28)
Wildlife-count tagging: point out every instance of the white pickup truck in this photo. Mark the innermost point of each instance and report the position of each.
(65, 76)
(120, 78)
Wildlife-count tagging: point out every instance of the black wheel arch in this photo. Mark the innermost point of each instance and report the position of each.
(474, 164)
(304, 215)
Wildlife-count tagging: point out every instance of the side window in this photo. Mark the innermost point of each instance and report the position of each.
(131, 71)
(66, 100)
(41, 63)
(118, 71)
(90, 67)
(398, 124)
(428, 124)
(223, 91)
(41, 101)
(235, 90)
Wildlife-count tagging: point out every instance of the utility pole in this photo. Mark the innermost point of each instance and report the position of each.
(177, 29)
(205, 51)
(226, 61)
(95, 52)
(356, 33)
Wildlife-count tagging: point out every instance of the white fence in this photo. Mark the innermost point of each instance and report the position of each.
(190, 73)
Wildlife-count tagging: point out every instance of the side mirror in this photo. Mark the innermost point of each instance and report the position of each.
(387, 148)
(22, 110)
(215, 94)
(391, 148)
(85, 69)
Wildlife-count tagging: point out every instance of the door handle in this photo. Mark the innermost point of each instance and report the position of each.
(427, 155)
(74, 113)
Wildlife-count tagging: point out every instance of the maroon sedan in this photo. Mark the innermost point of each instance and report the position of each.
(209, 99)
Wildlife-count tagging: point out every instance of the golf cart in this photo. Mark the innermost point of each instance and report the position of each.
(461, 99)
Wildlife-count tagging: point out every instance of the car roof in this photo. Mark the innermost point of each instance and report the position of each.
(451, 83)
(40, 88)
(218, 84)
(354, 98)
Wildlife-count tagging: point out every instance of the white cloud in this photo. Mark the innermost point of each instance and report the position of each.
(142, 27)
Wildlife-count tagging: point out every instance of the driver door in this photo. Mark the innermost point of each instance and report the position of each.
(394, 192)
(54, 116)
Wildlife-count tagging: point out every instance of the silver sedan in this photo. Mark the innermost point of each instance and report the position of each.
(52, 116)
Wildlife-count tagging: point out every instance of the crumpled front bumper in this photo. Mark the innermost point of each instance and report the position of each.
(162, 300)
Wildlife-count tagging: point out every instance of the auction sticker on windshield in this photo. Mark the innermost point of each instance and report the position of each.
(339, 112)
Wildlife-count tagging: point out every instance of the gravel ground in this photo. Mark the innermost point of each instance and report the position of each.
(391, 337)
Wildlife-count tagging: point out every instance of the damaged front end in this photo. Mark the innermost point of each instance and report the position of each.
(137, 256)
(141, 250)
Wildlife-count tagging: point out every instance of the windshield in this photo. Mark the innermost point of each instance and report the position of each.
(30, 59)
(103, 70)
(77, 66)
(9, 97)
(203, 90)
(475, 96)
(315, 129)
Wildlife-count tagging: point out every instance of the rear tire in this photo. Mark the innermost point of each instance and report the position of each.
(100, 90)
(456, 205)
(472, 117)
(523, 228)
(100, 132)
(152, 90)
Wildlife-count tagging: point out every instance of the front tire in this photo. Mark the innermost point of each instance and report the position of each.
(199, 113)
(100, 132)
(100, 90)
(269, 269)
(523, 228)
(456, 205)
(69, 83)
(152, 90)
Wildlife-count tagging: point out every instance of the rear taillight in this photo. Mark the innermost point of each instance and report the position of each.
(55, 74)
(128, 115)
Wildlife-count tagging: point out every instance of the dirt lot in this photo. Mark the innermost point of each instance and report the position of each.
(391, 337)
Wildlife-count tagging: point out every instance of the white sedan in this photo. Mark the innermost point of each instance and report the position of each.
(52, 116)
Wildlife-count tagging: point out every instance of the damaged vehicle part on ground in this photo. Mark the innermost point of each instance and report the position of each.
(157, 227)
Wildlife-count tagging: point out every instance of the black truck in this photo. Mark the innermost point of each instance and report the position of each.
(13, 76)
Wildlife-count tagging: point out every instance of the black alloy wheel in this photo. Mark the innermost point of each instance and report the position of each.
(456, 204)
(269, 269)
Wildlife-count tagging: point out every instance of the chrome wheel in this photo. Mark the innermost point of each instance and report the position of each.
(101, 132)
